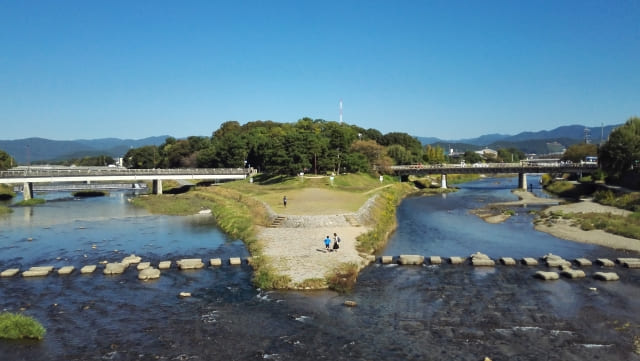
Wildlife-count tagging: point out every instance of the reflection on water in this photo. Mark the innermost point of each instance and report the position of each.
(404, 313)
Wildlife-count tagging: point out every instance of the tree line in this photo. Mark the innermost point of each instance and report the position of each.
(308, 145)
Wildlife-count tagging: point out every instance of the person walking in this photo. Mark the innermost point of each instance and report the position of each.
(336, 242)
(284, 201)
(327, 243)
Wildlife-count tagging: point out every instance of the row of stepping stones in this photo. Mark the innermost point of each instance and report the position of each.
(481, 259)
(146, 271)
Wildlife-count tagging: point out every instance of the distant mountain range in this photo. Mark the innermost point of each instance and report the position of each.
(29, 150)
(542, 142)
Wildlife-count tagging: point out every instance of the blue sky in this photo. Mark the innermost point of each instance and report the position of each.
(447, 69)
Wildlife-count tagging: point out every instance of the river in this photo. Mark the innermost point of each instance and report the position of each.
(447, 312)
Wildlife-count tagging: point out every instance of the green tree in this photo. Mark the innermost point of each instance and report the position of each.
(577, 152)
(471, 157)
(6, 161)
(621, 152)
(145, 157)
(399, 154)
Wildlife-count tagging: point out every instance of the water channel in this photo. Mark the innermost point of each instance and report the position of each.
(452, 312)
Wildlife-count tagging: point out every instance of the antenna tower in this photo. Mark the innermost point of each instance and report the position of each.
(587, 136)
(340, 111)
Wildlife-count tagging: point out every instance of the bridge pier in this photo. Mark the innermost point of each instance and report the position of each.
(27, 191)
(443, 181)
(522, 181)
(157, 186)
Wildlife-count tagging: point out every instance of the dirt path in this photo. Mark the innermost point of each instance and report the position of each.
(297, 248)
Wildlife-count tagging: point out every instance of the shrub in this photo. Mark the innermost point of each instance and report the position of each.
(15, 326)
(344, 277)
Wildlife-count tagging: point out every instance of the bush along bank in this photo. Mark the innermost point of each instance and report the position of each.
(16, 326)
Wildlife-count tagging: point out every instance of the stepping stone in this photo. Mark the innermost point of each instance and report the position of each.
(583, 262)
(482, 260)
(508, 261)
(88, 269)
(547, 276)
(350, 303)
(386, 259)
(235, 261)
(10, 272)
(410, 259)
(66, 270)
(190, 263)
(573, 273)
(626, 260)
(456, 260)
(143, 265)
(115, 268)
(149, 273)
(605, 262)
(528, 261)
(215, 262)
(37, 271)
(164, 265)
(184, 294)
(553, 260)
(131, 259)
(606, 276)
(631, 264)
(435, 260)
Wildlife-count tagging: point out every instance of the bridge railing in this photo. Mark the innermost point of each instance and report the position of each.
(99, 171)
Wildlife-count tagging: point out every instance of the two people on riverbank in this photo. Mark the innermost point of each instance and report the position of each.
(336, 241)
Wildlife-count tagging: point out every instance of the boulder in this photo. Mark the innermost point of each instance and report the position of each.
(88, 269)
(606, 276)
(547, 275)
(386, 259)
(215, 262)
(190, 263)
(508, 261)
(582, 262)
(435, 260)
(456, 260)
(143, 265)
(164, 265)
(115, 268)
(66, 270)
(410, 259)
(10, 272)
(529, 261)
(149, 273)
(131, 259)
(604, 262)
(235, 261)
(350, 303)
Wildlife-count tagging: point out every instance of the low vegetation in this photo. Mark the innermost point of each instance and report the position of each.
(16, 326)
(31, 202)
(343, 278)
(629, 201)
(6, 192)
(384, 214)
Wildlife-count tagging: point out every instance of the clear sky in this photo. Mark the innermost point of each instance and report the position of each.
(447, 69)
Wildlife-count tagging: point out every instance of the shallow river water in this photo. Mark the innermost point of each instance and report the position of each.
(447, 312)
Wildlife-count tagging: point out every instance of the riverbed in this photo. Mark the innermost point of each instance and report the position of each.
(402, 313)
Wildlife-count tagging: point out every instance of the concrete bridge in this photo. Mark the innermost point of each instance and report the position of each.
(521, 169)
(50, 174)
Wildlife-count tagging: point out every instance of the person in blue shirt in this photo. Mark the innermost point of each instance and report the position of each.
(327, 243)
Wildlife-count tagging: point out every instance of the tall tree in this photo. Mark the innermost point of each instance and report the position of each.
(621, 152)
(6, 161)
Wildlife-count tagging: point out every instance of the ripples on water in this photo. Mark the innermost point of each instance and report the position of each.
(403, 313)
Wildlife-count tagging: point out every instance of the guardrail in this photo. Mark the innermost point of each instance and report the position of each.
(107, 171)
